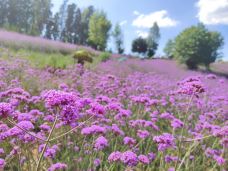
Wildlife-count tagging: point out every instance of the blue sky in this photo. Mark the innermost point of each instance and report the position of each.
(136, 16)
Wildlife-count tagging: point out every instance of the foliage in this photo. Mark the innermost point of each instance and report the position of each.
(197, 45)
(118, 37)
(86, 14)
(169, 48)
(139, 45)
(82, 56)
(104, 56)
(99, 27)
(153, 39)
(25, 16)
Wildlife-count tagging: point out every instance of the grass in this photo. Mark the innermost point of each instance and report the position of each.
(45, 59)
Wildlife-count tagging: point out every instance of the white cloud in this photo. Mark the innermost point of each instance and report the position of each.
(136, 12)
(213, 11)
(147, 21)
(123, 22)
(142, 34)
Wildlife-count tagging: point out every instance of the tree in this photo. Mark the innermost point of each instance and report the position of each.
(55, 30)
(153, 39)
(77, 26)
(69, 25)
(118, 36)
(3, 12)
(41, 15)
(26, 16)
(52, 30)
(139, 45)
(85, 18)
(62, 18)
(99, 27)
(169, 48)
(197, 45)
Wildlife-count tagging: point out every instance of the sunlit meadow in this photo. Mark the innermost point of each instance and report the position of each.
(122, 115)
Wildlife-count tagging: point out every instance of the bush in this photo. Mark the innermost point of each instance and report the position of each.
(82, 56)
(139, 45)
(196, 45)
(104, 56)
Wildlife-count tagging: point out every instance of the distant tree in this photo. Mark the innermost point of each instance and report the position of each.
(99, 27)
(196, 45)
(118, 38)
(51, 31)
(41, 15)
(77, 26)
(85, 18)
(48, 30)
(55, 30)
(169, 48)
(25, 16)
(153, 39)
(62, 19)
(3, 12)
(140, 46)
(69, 25)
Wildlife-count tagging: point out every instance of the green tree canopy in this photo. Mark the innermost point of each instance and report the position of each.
(197, 45)
(99, 27)
(139, 45)
(169, 48)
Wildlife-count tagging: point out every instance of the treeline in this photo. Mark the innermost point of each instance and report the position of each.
(25, 16)
(193, 46)
(88, 26)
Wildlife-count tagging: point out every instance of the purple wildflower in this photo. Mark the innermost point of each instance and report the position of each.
(54, 98)
(129, 141)
(5, 109)
(191, 86)
(114, 156)
(2, 151)
(100, 143)
(169, 159)
(165, 141)
(117, 130)
(151, 156)
(94, 129)
(143, 134)
(57, 166)
(177, 123)
(143, 159)
(220, 160)
(27, 125)
(129, 158)
(97, 162)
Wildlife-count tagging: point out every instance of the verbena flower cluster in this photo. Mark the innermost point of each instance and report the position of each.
(134, 115)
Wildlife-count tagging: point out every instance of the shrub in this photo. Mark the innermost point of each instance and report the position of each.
(104, 56)
(139, 45)
(82, 56)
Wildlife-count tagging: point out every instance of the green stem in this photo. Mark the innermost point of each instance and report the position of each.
(62, 135)
(14, 124)
(47, 141)
(186, 155)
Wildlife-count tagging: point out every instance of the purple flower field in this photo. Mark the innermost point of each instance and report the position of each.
(8, 38)
(129, 115)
